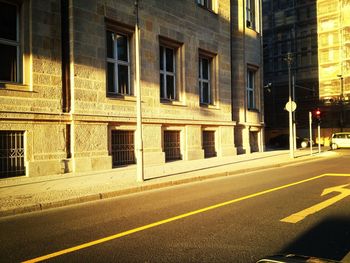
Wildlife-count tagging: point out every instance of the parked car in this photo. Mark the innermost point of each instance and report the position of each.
(340, 140)
(282, 141)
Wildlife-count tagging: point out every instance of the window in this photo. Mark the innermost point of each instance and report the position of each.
(123, 149)
(208, 138)
(172, 145)
(206, 3)
(118, 64)
(11, 153)
(9, 43)
(167, 73)
(250, 13)
(251, 89)
(204, 80)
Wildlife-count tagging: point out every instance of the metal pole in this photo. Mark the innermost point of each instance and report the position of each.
(291, 137)
(319, 137)
(294, 120)
(310, 128)
(140, 165)
(341, 103)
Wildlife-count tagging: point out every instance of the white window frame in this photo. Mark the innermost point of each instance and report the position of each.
(164, 73)
(118, 62)
(251, 91)
(202, 80)
(17, 44)
(250, 14)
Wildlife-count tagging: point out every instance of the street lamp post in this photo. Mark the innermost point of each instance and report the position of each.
(289, 60)
(341, 100)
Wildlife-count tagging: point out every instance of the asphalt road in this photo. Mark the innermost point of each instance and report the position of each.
(240, 222)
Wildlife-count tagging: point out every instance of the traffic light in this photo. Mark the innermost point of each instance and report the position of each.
(317, 114)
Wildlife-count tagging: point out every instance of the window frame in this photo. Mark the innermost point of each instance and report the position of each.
(15, 43)
(178, 67)
(128, 31)
(202, 80)
(251, 89)
(163, 73)
(250, 14)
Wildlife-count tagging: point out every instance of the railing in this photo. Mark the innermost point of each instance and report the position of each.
(209, 144)
(123, 149)
(11, 154)
(172, 145)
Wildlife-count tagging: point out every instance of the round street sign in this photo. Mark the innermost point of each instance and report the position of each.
(288, 107)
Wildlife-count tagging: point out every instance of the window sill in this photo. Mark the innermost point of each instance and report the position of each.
(209, 106)
(208, 9)
(121, 97)
(254, 110)
(14, 86)
(172, 102)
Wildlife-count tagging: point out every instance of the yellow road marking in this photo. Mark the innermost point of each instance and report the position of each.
(165, 221)
(297, 217)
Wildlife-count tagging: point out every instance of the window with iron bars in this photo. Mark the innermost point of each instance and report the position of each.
(172, 146)
(208, 138)
(123, 148)
(11, 154)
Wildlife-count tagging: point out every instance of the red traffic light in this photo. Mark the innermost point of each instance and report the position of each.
(318, 113)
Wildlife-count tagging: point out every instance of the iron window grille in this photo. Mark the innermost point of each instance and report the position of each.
(208, 138)
(167, 73)
(204, 80)
(9, 42)
(123, 148)
(12, 154)
(118, 64)
(172, 146)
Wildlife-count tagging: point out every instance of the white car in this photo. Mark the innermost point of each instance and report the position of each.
(340, 140)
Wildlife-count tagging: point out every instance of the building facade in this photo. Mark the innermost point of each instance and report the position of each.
(334, 61)
(68, 86)
(289, 27)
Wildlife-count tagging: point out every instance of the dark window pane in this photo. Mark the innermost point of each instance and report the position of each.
(122, 48)
(161, 58)
(169, 60)
(170, 87)
(205, 88)
(251, 99)
(123, 79)
(110, 77)
(199, 68)
(8, 21)
(8, 58)
(110, 44)
(205, 69)
(162, 86)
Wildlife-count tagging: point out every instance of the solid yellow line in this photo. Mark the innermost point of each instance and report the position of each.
(344, 175)
(162, 222)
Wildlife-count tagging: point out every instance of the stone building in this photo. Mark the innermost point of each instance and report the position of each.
(68, 90)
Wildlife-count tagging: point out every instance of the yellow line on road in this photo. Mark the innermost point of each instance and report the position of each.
(165, 221)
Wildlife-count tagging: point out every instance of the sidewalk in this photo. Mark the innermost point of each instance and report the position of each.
(24, 194)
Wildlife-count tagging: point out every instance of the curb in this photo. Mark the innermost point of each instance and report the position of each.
(143, 188)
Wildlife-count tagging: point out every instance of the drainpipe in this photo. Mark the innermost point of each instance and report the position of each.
(140, 164)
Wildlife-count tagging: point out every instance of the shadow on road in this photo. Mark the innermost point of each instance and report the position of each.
(330, 239)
